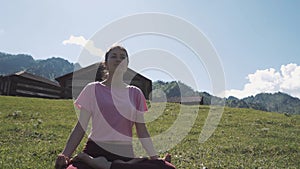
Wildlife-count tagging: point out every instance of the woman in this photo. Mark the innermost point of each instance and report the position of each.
(114, 108)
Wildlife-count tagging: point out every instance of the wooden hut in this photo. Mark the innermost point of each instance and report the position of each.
(191, 100)
(29, 85)
(72, 83)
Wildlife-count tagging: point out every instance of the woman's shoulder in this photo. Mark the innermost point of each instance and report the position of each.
(95, 84)
(134, 88)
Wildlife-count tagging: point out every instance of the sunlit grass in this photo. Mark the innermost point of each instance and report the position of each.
(33, 131)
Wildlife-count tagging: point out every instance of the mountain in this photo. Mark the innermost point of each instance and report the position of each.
(14, 63)
(173, 89)
(49, 68)
(277, 102)
(235, 102)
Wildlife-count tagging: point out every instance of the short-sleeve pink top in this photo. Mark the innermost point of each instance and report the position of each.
(114, 110)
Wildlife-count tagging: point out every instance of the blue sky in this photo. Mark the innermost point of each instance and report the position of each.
(257, 41)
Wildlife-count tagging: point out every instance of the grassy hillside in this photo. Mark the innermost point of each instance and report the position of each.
(33, 131)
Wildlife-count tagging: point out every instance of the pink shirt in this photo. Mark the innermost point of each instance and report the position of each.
(113, 111)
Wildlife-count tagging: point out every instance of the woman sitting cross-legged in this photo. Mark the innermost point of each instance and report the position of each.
(115, 109)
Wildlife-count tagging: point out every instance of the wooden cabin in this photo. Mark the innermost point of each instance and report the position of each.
(191, 100)
(73, 83)
(29, 85)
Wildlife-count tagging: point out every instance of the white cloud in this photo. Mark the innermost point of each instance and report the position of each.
(86, 44)
(80, 40)
(291, 77)
(286, 80)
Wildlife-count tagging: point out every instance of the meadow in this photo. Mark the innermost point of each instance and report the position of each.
(33, 131)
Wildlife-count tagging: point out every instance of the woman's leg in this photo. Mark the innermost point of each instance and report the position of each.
(107, 150)
(95, 163)
(133, 161)
(94, 150)
(146, 164)
(137, 163)
(101, 162)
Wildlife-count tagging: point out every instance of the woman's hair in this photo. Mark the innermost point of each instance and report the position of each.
(102, 70)
(112, 48)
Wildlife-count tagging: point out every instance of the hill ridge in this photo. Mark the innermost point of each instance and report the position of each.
(48, 68)
(271, 102)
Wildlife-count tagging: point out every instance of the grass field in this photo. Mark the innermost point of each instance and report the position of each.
(33, 131)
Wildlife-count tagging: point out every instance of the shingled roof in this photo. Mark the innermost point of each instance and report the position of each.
(34, 77)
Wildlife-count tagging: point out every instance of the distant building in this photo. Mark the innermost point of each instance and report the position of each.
(73, 83)
(29, 85)
(191, 100)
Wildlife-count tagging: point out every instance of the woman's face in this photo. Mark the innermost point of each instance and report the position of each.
(117, 61)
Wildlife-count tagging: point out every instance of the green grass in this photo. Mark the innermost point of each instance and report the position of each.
(33, 131)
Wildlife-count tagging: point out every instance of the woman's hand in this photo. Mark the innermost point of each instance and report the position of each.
(74, 140)
(61, 161)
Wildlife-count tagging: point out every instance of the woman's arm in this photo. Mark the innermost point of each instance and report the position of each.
(74, 140)
(77, 133)
(144, 136)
